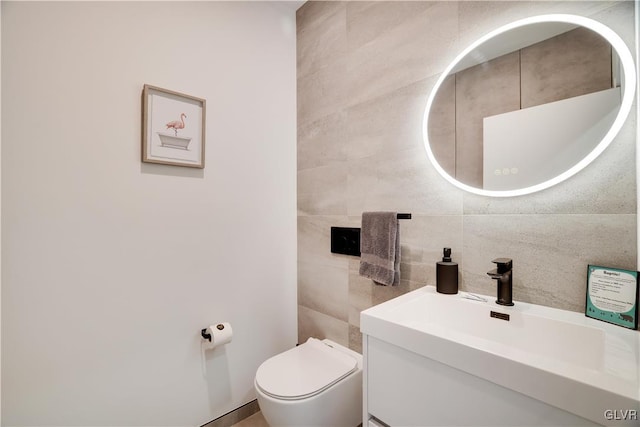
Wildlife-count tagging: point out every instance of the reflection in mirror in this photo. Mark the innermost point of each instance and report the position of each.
(528, 106)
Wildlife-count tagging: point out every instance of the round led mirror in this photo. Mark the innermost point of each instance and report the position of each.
(529, 105)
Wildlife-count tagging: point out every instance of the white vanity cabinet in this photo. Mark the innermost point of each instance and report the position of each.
(442, 360)
(403, 388)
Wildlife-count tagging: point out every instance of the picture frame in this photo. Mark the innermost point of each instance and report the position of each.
(173, 128)
(612, 295)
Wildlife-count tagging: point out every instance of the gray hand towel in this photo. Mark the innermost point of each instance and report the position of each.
(380, 247)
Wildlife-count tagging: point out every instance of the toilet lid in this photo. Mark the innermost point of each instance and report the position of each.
(304, 370)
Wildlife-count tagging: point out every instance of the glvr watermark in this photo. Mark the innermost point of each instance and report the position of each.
(621, 414)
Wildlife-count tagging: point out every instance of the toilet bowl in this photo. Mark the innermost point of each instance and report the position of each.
(318, 383)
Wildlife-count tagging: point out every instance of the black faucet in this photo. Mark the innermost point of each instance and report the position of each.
(503, 275)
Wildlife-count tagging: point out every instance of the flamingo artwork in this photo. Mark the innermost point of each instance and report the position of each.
(177, 124)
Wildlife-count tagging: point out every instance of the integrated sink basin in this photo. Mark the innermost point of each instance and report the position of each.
(523, 331)
(560, 358)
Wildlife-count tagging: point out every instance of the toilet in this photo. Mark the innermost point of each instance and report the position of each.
(318, 383)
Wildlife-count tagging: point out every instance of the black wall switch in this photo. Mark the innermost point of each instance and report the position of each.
(345, 240)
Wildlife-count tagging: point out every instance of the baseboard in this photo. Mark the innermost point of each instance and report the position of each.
(235, 416)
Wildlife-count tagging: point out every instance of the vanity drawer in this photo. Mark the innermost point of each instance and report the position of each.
(407, 389)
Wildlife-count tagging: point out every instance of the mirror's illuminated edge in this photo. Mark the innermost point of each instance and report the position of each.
(627, 100)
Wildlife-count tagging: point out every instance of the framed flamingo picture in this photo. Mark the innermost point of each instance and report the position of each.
(173, 128)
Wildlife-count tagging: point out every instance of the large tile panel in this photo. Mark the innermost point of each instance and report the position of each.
(620, 17)
(321, 36)
(418, 47)
(355, 338)
(550, 253)
(314, 240)
(389, 123)
(324, 289)
(478, 18)
(404, 181)
(360, 293)
(317, 325)
(422, 241)
(368, 20)
(322, 190)
(323, 142)
(322, 92)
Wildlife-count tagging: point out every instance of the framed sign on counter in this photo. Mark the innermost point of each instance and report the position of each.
(612, 295)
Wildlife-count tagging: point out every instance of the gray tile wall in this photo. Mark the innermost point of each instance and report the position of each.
(365, 70)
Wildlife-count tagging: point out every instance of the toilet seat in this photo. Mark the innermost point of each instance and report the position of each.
(304, 371)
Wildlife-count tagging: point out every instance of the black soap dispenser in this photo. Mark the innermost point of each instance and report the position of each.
(447, 274)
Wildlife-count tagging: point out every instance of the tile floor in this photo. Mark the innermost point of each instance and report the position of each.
(255, 420)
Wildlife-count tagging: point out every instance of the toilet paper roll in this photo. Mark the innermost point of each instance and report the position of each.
(221, 333)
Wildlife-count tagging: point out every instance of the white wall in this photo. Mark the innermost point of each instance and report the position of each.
(111, 266)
